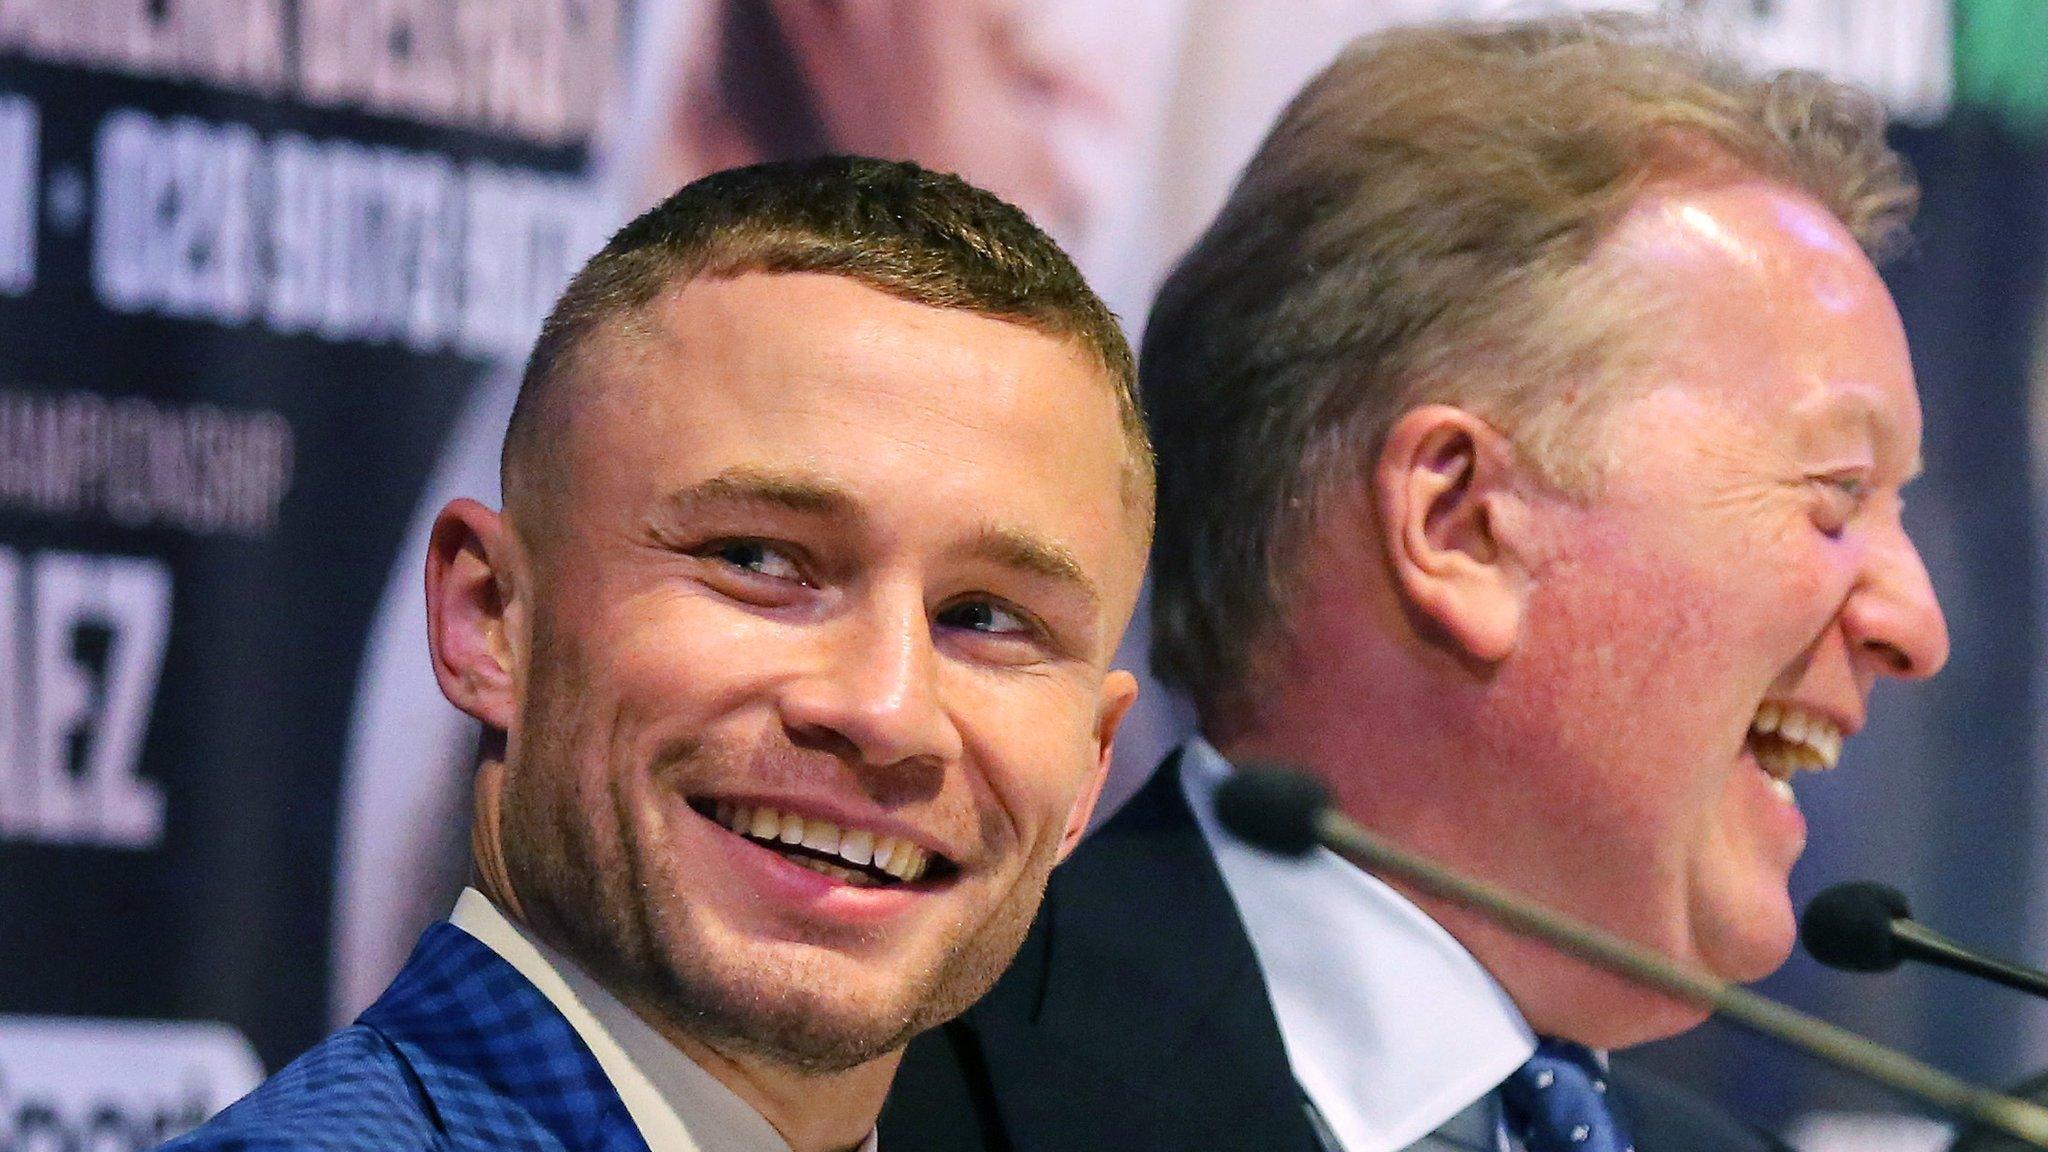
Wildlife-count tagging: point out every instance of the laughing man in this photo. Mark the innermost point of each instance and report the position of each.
(1532, 426)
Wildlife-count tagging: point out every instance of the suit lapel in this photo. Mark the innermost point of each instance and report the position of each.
(499, 1064)
(1137, 1005)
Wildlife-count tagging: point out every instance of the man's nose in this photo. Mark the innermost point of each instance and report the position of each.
(871, 692)
(1893, 619)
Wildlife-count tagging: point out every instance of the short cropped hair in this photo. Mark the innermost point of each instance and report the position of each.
(926, 237)
(1416, 229)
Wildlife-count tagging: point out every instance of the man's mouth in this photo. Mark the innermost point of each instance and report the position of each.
(853, 856)
(1789, 739)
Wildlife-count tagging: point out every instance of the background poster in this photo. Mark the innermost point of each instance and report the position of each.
(267, 271)
(253, 256)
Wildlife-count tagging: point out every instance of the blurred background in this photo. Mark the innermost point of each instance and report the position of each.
(268, 269)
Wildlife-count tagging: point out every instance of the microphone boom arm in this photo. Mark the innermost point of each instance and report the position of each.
(1746, 1009)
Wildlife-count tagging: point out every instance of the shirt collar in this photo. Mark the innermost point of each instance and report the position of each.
(678, 1106)
(1391, 1027)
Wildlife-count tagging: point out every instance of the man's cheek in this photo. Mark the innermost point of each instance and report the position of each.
(1059, 789)
(1014, 824)
(1043, 744)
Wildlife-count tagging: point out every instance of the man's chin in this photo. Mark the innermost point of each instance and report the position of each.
(819, 998)
(796, 1027)
(804, 1007)
(1621, 1013)
(1748, 950)
(813, 1038)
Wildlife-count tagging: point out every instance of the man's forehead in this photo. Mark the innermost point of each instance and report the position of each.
(1736, 226)
(1757, 271)
(711, 337)
(812, 365)
(761, 341)
(1741, 222)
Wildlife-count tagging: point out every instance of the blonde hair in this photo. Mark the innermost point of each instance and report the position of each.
(1416, 228)
(926, 237)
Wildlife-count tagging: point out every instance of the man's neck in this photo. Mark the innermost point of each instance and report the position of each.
(1391, 788)
(1564, 997)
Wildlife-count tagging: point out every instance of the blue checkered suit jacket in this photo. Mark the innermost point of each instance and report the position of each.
(460, 1053)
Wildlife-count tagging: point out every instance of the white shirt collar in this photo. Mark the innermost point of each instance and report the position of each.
(1391, 1027)
(676, 1105)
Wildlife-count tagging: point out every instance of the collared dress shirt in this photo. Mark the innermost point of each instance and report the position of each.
(676, 1105)
(1394, 1031)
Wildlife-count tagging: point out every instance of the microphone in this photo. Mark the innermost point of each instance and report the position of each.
(1286, 812)
(1865, 927)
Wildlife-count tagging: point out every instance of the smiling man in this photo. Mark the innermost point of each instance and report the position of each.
(826, 502)
(1532, 426)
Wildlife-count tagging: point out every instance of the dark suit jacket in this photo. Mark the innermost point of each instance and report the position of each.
(1135, 1017)
(460, 1054)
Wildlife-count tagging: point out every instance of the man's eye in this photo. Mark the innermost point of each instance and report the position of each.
(1842, 496)
(756, 556)
(1844, 487)
(1854, 485)
(985, 616)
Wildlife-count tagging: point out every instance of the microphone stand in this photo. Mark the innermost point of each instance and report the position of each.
(1837, 1046)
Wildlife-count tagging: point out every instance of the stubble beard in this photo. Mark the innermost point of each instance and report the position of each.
(778, 1010)
(586, 887)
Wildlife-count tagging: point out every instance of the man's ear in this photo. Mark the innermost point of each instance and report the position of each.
(1444, 490)
(473, 622)
(1119, 692)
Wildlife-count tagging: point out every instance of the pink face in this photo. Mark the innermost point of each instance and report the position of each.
(816, 689)
(1710, 624)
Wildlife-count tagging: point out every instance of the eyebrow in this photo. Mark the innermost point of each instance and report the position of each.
(1856, 409)
(1036, 557)
(812, 496)
(760, 486)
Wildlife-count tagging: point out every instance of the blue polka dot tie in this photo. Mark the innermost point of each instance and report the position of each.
(1557, 1102)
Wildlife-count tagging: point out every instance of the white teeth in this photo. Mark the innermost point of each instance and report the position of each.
(1795, 740)
(1784, 790)
(898, 858)
(1831, 746)
(821, 836)
(857, 845)
(1793, 727)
